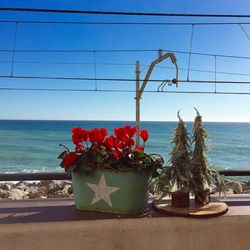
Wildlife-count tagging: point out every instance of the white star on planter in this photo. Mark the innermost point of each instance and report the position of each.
(102, 191)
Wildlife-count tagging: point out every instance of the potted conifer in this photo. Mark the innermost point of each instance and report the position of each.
(175, 178)
(205, 178)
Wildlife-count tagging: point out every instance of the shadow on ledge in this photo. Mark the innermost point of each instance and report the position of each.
(54, 210)
(63, 209)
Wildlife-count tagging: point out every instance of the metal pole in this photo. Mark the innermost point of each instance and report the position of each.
(137, 100)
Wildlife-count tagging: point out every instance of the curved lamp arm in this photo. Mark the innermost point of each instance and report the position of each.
(151, 68)
(139, 90)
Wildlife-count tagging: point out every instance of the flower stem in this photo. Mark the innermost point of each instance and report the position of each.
(61, 145)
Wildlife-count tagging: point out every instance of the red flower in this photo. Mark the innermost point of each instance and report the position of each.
(86, 134)
(140, 148)
(76, 130)
(144, 135)
(110, 142)
(129, 130)
(70, 159)
(103, 132)
(120, 133)
(94, 135)
(120, 144)
(77, 135)
(98, 135)
(116, 153)
(80, 135)
(130, 142)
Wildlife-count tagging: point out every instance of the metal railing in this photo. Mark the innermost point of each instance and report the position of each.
(34, 176)
(65, 176)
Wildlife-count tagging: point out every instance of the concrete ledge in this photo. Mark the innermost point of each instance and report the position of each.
(55, 224)
(222, 233)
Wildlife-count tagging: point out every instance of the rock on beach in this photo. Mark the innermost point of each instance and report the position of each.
(237, 187)
(36, 190)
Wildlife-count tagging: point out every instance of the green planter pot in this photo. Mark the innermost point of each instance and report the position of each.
(112, 191)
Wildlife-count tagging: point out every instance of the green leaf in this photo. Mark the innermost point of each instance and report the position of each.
(62, 165)
(62, 155)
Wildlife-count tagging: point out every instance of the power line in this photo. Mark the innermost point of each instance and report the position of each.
(125, 64)
(124, 91)
(244, 31)
(14, 48)
(116, 79)
(121, 51)
(94, 55)
(190, 51)
(125, 23)
(79, 50)
(89, 12)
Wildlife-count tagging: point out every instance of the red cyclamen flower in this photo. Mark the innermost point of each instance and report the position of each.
(140, 148)
(130, 142)
(94, 135)
(130, 131)
(98, 135)
(80, 135)
(144, 135)
(116, 153)
(110, 142)
(103, 132)
(120, 133)
(70, 159)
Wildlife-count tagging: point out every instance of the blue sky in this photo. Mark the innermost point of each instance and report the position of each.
(121, 106)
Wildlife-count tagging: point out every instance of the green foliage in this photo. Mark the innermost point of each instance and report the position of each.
(177, 173)
(62, 155)
(205, 177)
(101, 158)
(189, 170)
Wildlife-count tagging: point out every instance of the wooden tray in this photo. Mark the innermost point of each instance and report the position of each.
(212, 209)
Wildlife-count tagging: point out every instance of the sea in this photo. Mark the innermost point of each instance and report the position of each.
(33, 146)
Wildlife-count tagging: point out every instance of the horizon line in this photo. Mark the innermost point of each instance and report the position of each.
(94, 120)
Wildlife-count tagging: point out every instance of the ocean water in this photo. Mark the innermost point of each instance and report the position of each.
(33, 146)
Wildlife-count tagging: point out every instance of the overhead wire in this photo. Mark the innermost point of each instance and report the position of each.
(110, 51)
(123, 91)
(94, 57)
(190, 51)
(115, 79)
(244, 32)
(123, 64)
(124, 23)
(124, 13)
(14, 48)
(122, 51)
(215, 73)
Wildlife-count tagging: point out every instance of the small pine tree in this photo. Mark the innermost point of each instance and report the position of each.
(177, 174)
(205, 178)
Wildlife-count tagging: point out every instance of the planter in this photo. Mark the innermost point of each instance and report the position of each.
(112, 191)
(180, 199)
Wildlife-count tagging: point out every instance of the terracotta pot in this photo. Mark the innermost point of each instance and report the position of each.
(202, 198)
(180, 199)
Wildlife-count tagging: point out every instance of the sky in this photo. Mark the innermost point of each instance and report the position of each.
(223, 39)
